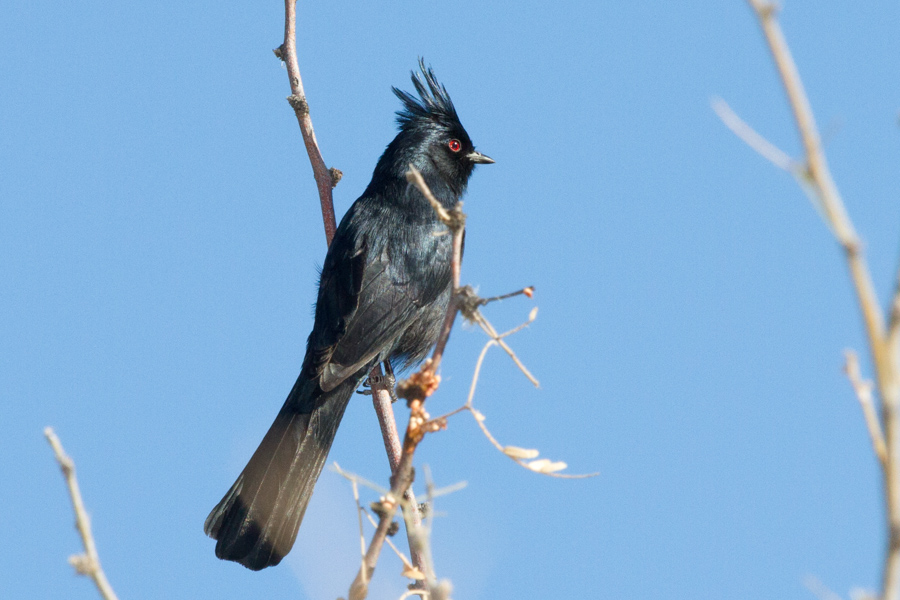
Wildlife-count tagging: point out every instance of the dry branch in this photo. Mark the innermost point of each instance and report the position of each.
(89, 562)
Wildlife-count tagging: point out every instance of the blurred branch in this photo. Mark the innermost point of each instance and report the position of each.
(422, 530)
(89, 562)
(815, 177)
(863, 389)
(763, 147)
(819, 589)
(893, 335)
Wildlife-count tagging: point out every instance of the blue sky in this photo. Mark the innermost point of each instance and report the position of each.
(160, 235)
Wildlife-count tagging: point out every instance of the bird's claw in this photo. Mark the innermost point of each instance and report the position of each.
(386, 381)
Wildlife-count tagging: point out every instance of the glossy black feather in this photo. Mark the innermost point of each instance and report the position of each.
(383, 292)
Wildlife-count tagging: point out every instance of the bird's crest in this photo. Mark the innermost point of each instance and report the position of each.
(433, 103)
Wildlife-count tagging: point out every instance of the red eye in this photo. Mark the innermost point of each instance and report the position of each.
(455, 145)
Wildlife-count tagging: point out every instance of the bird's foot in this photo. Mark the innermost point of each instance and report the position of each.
(386, 381)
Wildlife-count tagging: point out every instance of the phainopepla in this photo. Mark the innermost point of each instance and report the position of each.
(383, 292)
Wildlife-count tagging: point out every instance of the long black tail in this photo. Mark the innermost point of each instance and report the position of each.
(256, 522)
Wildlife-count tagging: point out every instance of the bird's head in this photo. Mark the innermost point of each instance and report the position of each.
(431, 137)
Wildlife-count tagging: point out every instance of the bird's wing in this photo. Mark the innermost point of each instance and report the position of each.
(368, 305)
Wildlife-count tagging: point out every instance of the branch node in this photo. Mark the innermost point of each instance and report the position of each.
(279, 52)
(468, 303)
(336, 174)
(420, 385)
(768, 10)
(393, 528)
(83, 564)
(299, 104)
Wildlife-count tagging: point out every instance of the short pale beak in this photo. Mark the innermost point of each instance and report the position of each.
(479, 158)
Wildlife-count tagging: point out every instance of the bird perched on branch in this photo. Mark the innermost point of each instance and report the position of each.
(383, 292)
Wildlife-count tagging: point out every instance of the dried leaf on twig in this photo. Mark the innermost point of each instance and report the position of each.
(520, 453)
(545, 465)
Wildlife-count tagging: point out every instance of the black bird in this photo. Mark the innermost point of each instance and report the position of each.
(383, 292)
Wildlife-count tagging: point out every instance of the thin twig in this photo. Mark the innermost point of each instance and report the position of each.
(492, 333)
(89, 562)
(417, 388)
(863, 389)
(359, 513)
(406, 562)
(359, 589)
(455, 220)
(415, 177)
(525, 291)
(763, 147)
(893, 335)
(540, 466)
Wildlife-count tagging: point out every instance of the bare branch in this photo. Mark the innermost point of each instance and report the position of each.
(893, 335)
(525, 291)
(89, 562)
(356, 480)
(415, 177)
(418, 387)
(326, 178)
(359, 513)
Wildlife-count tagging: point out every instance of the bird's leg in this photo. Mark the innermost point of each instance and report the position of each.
(389, 380)
(386, 381)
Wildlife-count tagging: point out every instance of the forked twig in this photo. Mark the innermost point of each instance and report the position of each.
(526, 458)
